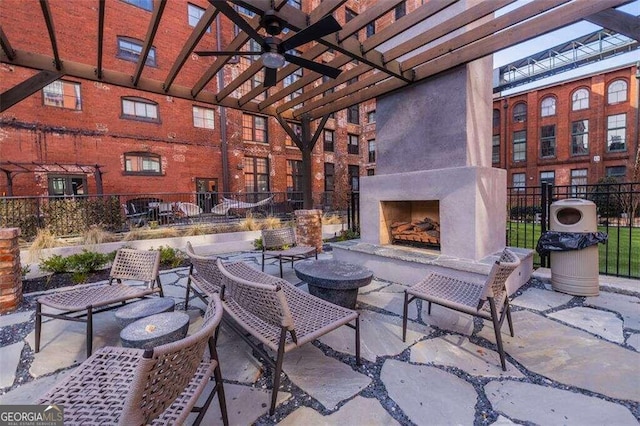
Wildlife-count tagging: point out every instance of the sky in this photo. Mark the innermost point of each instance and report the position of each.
(558, 37)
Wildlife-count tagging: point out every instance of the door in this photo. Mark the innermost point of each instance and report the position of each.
(207, 193)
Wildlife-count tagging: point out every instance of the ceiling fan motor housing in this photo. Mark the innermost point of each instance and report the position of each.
(271, 23)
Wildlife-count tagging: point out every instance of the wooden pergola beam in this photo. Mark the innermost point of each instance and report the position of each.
(48, 19)
(158, 9)
(6, 46)
(197, 34)
(27, 88)
(366, 17)
(618, 21)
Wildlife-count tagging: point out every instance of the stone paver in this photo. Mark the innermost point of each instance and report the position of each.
(17, 318)
(176, 291)
(375, 285)
(458, 351)
(571, 356)
(325, 379)
(391, 302)
(236, 362)
(554, 406)
(601, 323)
(244, 404)
(30, 392)
(380, 335)
(359, 411)
(501, 420)
(541, 300)
(429, 395)
(9, 358)
(627, 306)
(634, 341)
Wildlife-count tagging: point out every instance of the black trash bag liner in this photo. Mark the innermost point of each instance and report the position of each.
(567, 241)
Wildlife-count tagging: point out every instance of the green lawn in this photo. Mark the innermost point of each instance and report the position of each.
(614, 256)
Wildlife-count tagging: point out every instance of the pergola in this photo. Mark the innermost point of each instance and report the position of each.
(437, 36)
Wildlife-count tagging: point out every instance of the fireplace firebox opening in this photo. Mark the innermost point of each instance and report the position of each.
(414, 223)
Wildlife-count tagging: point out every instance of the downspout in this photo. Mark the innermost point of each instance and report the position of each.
(505, 109)
(636, 169)
(223, 118)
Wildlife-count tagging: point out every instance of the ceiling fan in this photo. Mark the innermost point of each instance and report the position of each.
(273, 49)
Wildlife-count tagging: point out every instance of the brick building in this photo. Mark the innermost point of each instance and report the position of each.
(83, 137)
(571, 133)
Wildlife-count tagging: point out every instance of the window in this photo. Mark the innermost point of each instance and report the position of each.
(294, 175)
(548, 141)
(354, 177)
(371, 117)
(548, 177)
(580, 137)
(580, 100)
(496, 118)
(617, 172)
(67, 184)
(548, 107)
(142, 163)
(130, 50)
(617, 92)
(256, 174)
(254, 128)
(326, 79)
(295, 3)
(371, 29)
(372, 150)
(139, 109)
(353, 114)
(578, 182)
(519, 180)
(329, 174)
(245, 11)
(203, 117)
(371, 172)
(143, 4)
(297, 129)
(328, 140)
(194, 13)
(520, 113)
(62, 94)
(616, 132)
(352, 144)
(495, 149)
(520, 145)
(292, 78)
(400, 10)
(349, 14)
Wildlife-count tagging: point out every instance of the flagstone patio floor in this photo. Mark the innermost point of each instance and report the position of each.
(573, 360)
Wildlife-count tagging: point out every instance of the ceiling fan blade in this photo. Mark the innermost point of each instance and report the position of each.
(313, 66)
(226, 53)
(323, 27)
(235, 17)
(270, 75)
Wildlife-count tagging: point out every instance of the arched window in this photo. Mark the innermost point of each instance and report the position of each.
(580, 99)
(142, 163)
(548, 107)
(520, 113)
(617, 92)
(496, 118)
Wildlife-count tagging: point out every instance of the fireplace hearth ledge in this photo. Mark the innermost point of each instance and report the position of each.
(406, 265)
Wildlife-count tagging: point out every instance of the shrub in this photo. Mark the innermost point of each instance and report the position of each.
(56, 264)
(25, 270)
(271, 222)
(333, 219)
(197, 229)
(257, 243)
(348, 234)
(170, 256)
(87, 261)
(249, 223)
(97, 235)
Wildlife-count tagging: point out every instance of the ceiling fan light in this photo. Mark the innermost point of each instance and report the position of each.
(273, 60)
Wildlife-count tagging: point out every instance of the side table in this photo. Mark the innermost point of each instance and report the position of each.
(334, 281)
(155, 330)
(144, 308)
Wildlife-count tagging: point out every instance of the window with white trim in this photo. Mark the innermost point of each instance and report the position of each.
(130, 49)
(142, 163)
(580, 99)
(617, 92)
(203, 117)
(548, 107)
(617, 132)
(139, 109)
(194, 14)
(62, 94)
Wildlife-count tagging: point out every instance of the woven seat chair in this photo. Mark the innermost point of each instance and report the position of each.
(82, 304)
(489, 300)
(274, 239)
(279, 315)
(160, 385)
(204, 277)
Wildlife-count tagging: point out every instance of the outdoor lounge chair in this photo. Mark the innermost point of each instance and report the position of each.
(278, 314)
(281, 244)
(204, 276)
(135, 218)
(469, 297)
(129, 264)
(160, 385)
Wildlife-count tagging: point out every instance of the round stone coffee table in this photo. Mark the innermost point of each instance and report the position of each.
(143, 308)
(334, 281)
(155, 330)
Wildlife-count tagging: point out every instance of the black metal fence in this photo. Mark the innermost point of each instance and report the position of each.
(618, 210)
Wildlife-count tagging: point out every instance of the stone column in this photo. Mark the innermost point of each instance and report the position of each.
(309, 228)
(10, 271)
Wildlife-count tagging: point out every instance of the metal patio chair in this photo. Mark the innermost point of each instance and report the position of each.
(204, 276)
(81, 304)
(161, 385)
(489, 300)
(278, 314)
(281, 244)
